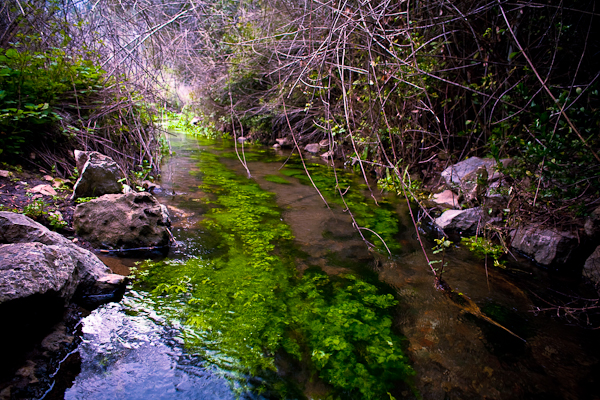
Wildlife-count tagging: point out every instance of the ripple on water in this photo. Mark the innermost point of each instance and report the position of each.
(128, 354)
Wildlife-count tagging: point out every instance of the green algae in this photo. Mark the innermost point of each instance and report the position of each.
(380, 218)
(276, 179)
(243, 302)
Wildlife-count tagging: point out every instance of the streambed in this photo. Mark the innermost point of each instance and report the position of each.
(269, 288)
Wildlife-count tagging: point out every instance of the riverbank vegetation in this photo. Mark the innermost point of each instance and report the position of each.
(63, 88)
(393, 87)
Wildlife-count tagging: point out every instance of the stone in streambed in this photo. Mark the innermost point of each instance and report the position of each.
(545, 246)
(123, 221)
(461, 221)
(68, 270)
(312, 148)
(41, 273)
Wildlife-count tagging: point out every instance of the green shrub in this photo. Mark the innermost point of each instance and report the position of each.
(34, 87)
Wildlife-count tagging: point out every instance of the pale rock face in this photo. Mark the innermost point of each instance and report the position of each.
(447, 199)
(123, 221)
(35, 268)
(466, 221)
(98, 175)
(36, 263)
(466, 176)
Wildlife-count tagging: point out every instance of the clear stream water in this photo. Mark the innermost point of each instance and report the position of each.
(178, 333)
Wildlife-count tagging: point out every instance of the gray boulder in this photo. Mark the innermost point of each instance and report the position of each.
(545, 246)
(82, 266)
(591, 268)
(18, 228)
(461, 221)
(459, 173)
(27, 269)
(98, 175)
(472, 175)
(123, 221)
(592, 223)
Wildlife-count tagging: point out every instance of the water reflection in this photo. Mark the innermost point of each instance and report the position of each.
(128, 353)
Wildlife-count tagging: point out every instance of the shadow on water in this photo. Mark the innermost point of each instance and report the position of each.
(161, 341)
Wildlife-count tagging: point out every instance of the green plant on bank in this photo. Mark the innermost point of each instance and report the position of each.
(391, 183)
(80, 200)
(56, 221)
(36, 209)
(41, 211)
(34, 83)
(483, 247)
(243, 302)
(145, 172)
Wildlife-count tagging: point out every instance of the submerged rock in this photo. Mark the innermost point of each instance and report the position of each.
(312, 148)
(98, 175)
(123, 221)
(545, 246)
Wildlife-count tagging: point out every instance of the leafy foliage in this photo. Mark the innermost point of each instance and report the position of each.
(34, 84)
(483, 247)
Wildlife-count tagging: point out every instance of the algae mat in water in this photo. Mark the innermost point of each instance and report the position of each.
(244, 302)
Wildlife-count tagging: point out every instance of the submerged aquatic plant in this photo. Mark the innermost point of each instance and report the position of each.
(380, 220)
(242, 301)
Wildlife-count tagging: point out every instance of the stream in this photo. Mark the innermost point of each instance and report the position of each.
(271, 292)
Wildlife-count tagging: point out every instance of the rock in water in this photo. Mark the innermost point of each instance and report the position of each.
(461, 221)
(98, 175)
(41, 272)
(545, 246)
(20, 233)
(27, 269)
(123, 221)
(313, 148)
